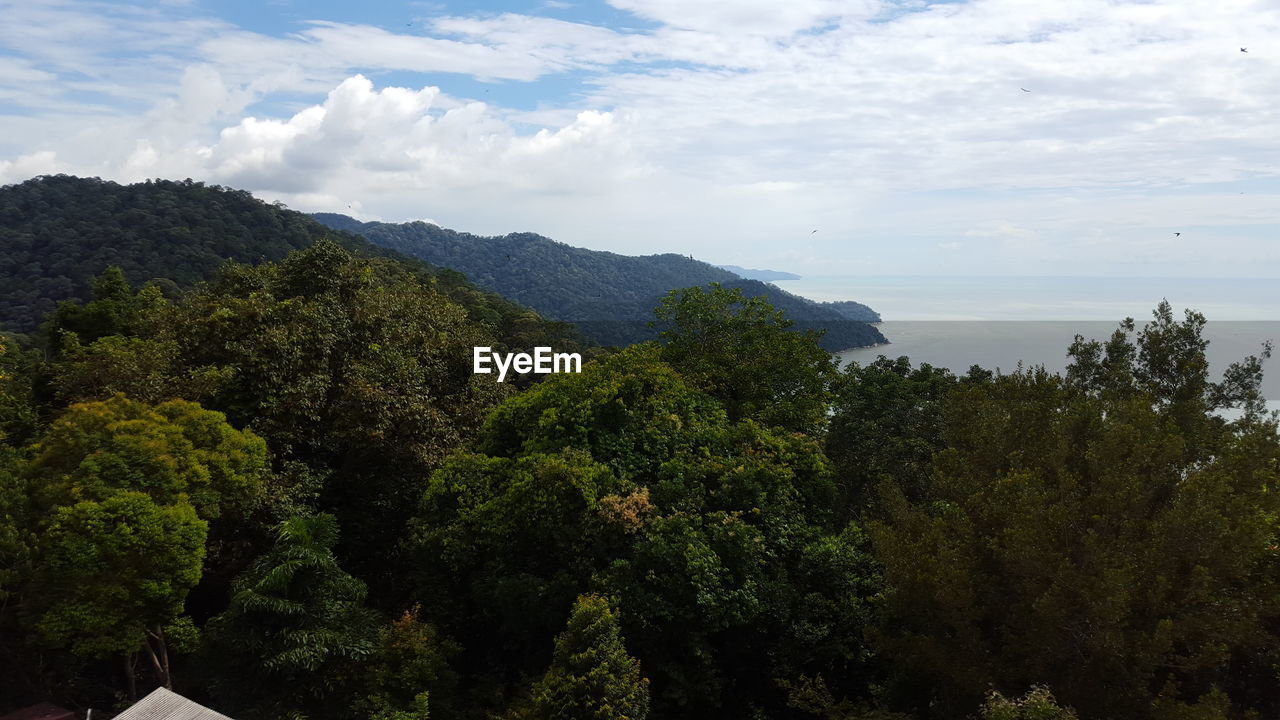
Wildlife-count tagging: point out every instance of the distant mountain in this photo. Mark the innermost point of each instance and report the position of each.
(853, 310)
(58, 232)
(763, 275)
(610, 297)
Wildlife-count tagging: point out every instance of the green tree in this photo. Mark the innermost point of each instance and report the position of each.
(295, 623)
(740, 351)
(110, 574)
(17, 402)
(630, 411)
(717, 539)
(591, 675)
(1037, 704)
(150, 371)
(411, 673)
(1072, 537)
(886, 424)
(358, 374)
(175, 452)
(114, 310)
(481, 515)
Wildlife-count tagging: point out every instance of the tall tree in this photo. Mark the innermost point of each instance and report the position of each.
(716, 539)
(111, 574)
(1098, 536)
(175, 451)
(740, 351)
(591, 675)
(295, 621)
(17, 403)
(114, 310)
(886, 424)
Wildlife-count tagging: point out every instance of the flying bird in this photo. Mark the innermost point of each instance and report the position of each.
(1024, 89)
(812, 231)
(1244, 50)
(1177, 234)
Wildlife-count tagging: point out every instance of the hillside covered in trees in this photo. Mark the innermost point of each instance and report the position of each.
(57, 233)
(608, 296)
(283, 493)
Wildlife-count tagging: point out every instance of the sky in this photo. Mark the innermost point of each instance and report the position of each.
(823, 137)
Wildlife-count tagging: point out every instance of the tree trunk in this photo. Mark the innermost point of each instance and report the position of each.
(164, 658)
(128, 676)
(160, 666)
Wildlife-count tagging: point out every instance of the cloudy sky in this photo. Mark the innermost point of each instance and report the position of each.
(980, 137)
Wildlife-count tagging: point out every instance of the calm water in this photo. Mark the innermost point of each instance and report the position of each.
(1045, 298)
(999, 322)
(1003, 344)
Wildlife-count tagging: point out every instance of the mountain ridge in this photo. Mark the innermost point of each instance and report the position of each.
(609, 296)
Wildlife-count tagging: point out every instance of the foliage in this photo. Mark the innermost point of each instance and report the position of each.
(411, 672)
(295, 621)
(1037, 704)
(591, 675)
(715, 538)
(18, 414)
(150, 371)
(114, 310)
(630, 410)
(886, 424)
(1105, 536)
(609, 297)
(175, 452)
(481, 515)
(109, 572)
(739, 351)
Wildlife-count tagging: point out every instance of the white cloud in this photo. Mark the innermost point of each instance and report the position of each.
(726, 128)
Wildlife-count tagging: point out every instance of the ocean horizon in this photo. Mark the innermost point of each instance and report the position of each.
(999, 323)
(1042, 298)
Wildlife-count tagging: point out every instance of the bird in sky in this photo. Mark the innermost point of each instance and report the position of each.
(1177, 234)
(1244, 50)
(812, 231)
(1024, 89)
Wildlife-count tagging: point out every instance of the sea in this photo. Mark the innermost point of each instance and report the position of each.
(1001, 322)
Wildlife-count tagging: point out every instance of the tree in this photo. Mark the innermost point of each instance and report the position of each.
(410, 673)
(1037, 704)
(110, 574)
(175, 452)
(716, 539)
(631, 411)
(17, 405)
(1097, 536)
(591, 675)
(296, 620)
(358, 374)
(740, 351)
(886, 424)
(481, 515)
(114, 310)
(150, 371)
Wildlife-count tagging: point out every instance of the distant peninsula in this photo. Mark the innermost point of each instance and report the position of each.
(762, 275)
(853, 310)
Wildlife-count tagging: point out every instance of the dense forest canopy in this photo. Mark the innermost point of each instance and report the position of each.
(609, 297)
(282, 491)
(285, 494)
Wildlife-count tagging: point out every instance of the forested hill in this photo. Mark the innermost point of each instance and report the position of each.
(610, 297)
(58, 232)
